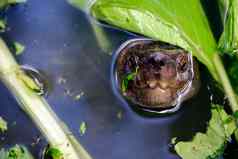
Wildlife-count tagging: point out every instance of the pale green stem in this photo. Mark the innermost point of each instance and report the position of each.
(101, 37)
(37, 108)
(226, 85)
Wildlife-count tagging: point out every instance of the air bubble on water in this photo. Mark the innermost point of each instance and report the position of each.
(38, 78)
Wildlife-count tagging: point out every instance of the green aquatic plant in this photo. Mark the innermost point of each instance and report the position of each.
(37, 107)
(25, 90)
(4, 4)
(19, 48)
(184, 23)
(229, 39)
(16, 152)
(209, 145)
(99, 33)
(127, 78)
(53, 153)
(3, 125)
(82, 128)
(181, 23)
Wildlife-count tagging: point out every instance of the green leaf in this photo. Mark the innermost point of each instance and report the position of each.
(178, 22)
(3, 125)
(229, 40)
(129, 77)
(16, 152)
(54, 153)
(211, 144)
(5, 3)
(2, 25)
(82, 128)
(19, 48)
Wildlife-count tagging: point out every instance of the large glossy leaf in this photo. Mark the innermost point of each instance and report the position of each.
(209, 145)
(179, 22)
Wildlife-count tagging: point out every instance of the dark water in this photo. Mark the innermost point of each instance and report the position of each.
(59, 41)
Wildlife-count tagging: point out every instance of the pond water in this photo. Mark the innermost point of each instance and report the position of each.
(60, 42)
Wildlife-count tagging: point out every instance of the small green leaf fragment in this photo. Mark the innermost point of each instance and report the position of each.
(78, 96)
(16, 152)
(129, 77)
(3, 125)
(54, 153)
(124, 85)
(2, 25)
(19, 48)
(30, 83)
(82, 128)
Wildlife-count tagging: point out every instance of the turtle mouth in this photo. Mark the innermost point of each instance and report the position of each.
(154, 75)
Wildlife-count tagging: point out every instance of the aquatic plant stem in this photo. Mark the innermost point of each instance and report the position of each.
(101, 37)
(37, 108)
(226, 85)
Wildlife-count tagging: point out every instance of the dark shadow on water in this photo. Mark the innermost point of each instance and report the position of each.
(195, 113)
(212, 11)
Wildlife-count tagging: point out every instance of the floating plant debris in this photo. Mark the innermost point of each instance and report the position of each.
(19, 48)
(35, 80)
(52, 153)
(3, 125)
(155, 75)
(78, 96)
(16, 152)
(83, 128)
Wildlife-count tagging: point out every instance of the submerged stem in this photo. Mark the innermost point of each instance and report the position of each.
(101, 37)
(225, 83)
(227, 86)
(37, 108)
